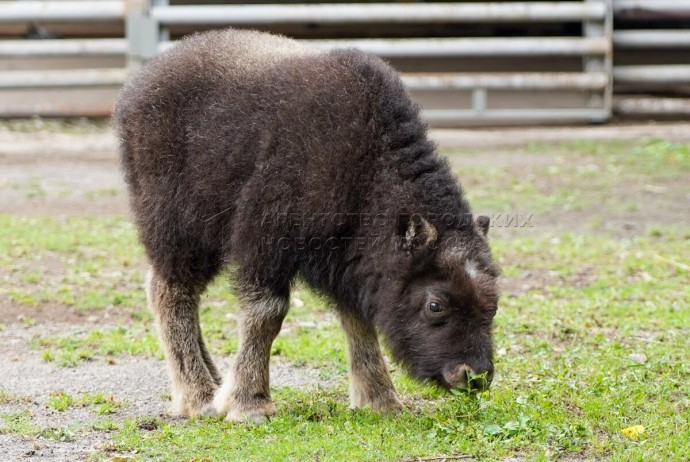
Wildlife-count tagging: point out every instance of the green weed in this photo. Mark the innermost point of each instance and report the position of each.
(60, 401)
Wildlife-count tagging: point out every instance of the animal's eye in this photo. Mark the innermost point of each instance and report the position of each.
(435, 307)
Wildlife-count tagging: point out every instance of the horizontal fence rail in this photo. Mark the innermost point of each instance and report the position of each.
(675, 73)
(440, 47)
(672, 38)
(368, 13)
(472, 46)
(516, 115)
(61, 47)
(63, 78)
(507, 81)
(66, 11)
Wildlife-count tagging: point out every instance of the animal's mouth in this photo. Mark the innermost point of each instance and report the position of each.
(463, 377)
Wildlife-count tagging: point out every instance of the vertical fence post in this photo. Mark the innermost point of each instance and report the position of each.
(479, 100)
(601, 63)
(142, 34)
(164, 35)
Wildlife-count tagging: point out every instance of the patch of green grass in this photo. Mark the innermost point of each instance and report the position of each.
(87, 263)
(568, 381)
(316, 346)
(93, 399)
(60, 401)
(20, 423)
(566, 384)
(575, 176)
(104, 404)
(106, 424)
(109, 407)
(16, 423)
(659, 157)
(57, 434)
(98, 343)
(534, 423)
(507, 190)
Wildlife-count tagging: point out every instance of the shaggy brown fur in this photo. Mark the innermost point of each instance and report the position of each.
(250, 149)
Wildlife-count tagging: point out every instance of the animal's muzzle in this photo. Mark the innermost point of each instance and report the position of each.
(466, 378)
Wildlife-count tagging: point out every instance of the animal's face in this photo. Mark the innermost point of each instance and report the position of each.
(440, 324)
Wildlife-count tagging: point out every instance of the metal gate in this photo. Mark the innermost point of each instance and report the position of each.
(578, 65)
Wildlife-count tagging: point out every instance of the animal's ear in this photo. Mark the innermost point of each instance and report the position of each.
(482, 223)
(415, 232)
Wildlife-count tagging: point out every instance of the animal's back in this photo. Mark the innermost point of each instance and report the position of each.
(221, 57)
(230, 127)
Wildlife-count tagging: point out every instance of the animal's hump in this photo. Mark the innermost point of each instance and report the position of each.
(235, 50)
(397, 114)
(215, 58)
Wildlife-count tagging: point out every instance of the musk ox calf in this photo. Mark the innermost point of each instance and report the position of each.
(255, 152)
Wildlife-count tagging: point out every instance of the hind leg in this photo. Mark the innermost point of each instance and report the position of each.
(193, 375)
(212, 369)
(245, 394)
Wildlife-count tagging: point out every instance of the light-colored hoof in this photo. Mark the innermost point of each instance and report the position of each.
(187, 408)
(385, 405)
(256, 417)
(257, 412)
(209, 410)
(389, 407)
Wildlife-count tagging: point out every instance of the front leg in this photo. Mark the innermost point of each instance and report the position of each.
(245, 394)
(370, 384)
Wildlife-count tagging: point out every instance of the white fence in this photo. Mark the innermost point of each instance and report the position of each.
(147, 25)
(630, 79)
(594, 47)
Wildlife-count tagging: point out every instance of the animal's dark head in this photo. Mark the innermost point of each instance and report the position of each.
(438, 316)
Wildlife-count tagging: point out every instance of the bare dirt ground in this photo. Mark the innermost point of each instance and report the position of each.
(56, 174)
